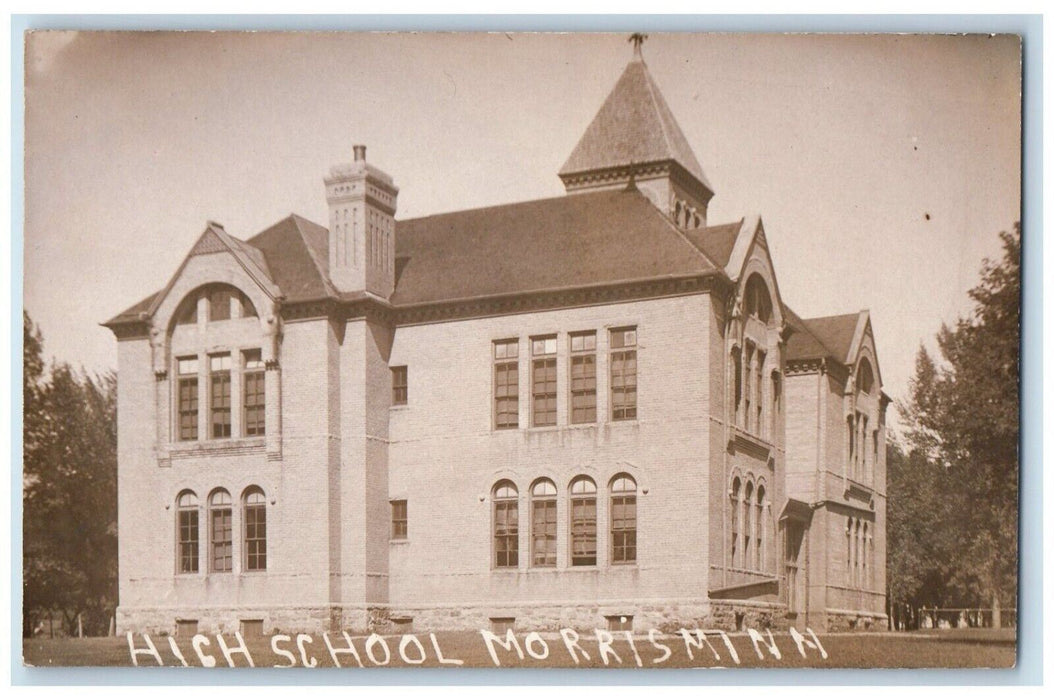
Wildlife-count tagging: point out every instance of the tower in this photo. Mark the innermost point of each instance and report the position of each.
(362, 202)
(635, 138)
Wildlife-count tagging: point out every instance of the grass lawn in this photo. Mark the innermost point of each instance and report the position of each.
(969, 648)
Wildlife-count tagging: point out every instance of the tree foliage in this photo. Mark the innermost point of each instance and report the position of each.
(69, 495)
(953, 492)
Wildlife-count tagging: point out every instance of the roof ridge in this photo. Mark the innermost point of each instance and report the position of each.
(560, 197)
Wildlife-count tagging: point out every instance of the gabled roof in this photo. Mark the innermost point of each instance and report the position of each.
(836, 332)
(826, 337)
(570, 241)
(634, 125)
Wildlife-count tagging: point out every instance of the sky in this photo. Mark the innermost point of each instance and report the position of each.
(883, 167)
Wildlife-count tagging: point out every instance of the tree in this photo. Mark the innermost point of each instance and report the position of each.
(959, 480)
(69, 491)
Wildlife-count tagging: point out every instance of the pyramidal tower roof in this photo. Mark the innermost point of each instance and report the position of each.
(634, 126)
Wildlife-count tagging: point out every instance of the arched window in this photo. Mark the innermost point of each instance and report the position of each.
(221, 547)
(736, 485)
(187, 532)
(864, 559)
(583, 522)
(187, 313)
(254, 509)
(758, 302)
(865, 377)
(759, 523)
(623, 520)
(776, 390)
(749, 526)
(543, 523)
(506, 525)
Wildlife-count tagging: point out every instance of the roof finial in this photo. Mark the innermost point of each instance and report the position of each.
(636, 38)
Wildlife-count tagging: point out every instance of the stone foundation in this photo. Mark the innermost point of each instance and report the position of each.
(855, 621)
(227, 620)
(726, 615)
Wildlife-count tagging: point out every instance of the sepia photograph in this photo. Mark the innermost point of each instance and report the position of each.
(642, 350)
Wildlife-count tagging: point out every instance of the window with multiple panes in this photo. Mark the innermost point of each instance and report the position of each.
(736, 501)
(584, 377)
(187, 369)
(623, 520)
(506, 525)
(583, 522)
(543, 381)
(506, 384)
(543, 523)
(220, 395)
(399, 385)
(255, 523)
(187, 525)
(220, 303)
(624, 374)
(221, 541)
(737, 382)
(399, 521)
(748, 387)
(253, 393)
(759, 362)
(748, 525)
(759, 528)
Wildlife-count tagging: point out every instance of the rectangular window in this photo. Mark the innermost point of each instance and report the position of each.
(619, 623)
(584, 377)
(220, 395)
(506, 384)
(219, 305)
(624, 374)
(399, 386)
(543, 532)
(584, 530)
(186, 629)
(502, 625)
(188, 398)
(506, 533)
(399, 520)
(254, 409)
(252, 628)
(256, 537)
(624, 529)
(188, 540)
(222, 541)
(543, 381)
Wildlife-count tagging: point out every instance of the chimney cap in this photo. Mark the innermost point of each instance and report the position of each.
(360, 152)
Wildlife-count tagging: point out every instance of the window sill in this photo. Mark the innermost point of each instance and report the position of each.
(399, 407)
(404, 540)
(193, 448)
